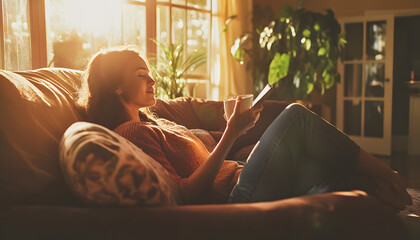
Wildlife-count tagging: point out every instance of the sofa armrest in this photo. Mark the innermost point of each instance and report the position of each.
(345, 215)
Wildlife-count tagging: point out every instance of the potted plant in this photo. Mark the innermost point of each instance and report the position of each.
(170, 67)
(296, 52)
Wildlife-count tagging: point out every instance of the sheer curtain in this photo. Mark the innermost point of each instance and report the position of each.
(229, 78)
(16, 36)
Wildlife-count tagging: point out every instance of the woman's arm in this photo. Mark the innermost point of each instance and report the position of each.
(193, 187)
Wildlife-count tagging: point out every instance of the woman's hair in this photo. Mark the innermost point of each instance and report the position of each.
(104, 73)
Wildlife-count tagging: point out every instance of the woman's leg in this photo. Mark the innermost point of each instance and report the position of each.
(299, 154)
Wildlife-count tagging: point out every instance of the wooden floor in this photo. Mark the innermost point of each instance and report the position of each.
(407, 166)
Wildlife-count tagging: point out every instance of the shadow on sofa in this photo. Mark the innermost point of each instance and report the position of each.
(38, 106)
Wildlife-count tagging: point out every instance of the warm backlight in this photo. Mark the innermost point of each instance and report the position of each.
(96, 17)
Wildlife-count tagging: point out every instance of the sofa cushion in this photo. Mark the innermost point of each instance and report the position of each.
(192, 113)
(103, 168)
(36, 108)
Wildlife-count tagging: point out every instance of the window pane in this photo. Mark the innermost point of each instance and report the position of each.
(134, 25)
(198, 35)
(181, 2)
(374, 118)
(375, 80)
(353, 80)
(76, 30)
(375, 40)
(354, 37)
(178, 26)
(162, 25)
(17, 45)
(202, 4)
(352, 117)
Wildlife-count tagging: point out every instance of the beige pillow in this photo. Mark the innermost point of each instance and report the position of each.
(103, 168)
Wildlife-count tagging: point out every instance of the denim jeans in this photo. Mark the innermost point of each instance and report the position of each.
(299, 154)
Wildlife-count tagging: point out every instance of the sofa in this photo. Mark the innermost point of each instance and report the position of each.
(37, 106)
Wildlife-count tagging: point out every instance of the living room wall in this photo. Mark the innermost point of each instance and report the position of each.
(345, 8)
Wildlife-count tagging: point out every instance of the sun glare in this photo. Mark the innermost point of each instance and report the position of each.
(95, 17)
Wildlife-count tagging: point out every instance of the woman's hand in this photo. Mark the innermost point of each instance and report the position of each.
(196, 185)
(391, 189)
(240, 122)
(389, 186)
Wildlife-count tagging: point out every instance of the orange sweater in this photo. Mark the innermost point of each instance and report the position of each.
(181, 153)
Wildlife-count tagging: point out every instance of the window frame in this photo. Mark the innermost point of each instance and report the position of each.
(189, 77)
(37, 25)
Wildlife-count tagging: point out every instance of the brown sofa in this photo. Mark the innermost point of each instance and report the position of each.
(36, 108)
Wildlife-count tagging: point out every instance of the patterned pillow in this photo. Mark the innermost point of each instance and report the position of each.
(103, 168)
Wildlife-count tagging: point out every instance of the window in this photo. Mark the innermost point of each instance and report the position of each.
(75, 29)
(187, 22)
(16, 46)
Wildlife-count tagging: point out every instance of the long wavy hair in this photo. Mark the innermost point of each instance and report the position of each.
(104, 73)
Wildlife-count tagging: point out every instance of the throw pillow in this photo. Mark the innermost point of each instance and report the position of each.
(103, 168)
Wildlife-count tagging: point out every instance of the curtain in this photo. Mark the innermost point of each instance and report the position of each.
(229, 77)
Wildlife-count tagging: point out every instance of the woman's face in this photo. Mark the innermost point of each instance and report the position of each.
(137, 89)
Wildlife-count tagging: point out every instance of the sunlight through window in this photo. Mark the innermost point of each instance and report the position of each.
(77, 29)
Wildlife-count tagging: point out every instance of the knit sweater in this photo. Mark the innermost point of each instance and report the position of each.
(180, 153)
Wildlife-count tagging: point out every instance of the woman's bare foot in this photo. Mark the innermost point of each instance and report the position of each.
(390, 187)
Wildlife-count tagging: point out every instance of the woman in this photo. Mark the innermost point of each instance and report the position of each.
(298, 154)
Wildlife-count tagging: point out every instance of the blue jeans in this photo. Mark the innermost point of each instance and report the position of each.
(299, 154)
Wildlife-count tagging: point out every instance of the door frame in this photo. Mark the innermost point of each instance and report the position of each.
(380, 146)
(373, 13)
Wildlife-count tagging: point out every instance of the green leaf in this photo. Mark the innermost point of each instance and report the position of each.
(322, 88)
(227, 22)
(310, 87)
(296, 80)
(270, 42)
(236, 51)
(343, 40)
(308, 44)
(316, 27)
(321, 51)
(239, 55)
(279, 68)
(329, 80)
(306, 33)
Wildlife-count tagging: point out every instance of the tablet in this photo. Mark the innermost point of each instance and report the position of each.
(263, 94)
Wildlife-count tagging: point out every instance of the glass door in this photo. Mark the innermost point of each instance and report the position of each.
(364, 98)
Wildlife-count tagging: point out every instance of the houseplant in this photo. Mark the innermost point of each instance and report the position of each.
(170, 67)
(296, 52)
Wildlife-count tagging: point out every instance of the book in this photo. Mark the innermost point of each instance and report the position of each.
(263, 94)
